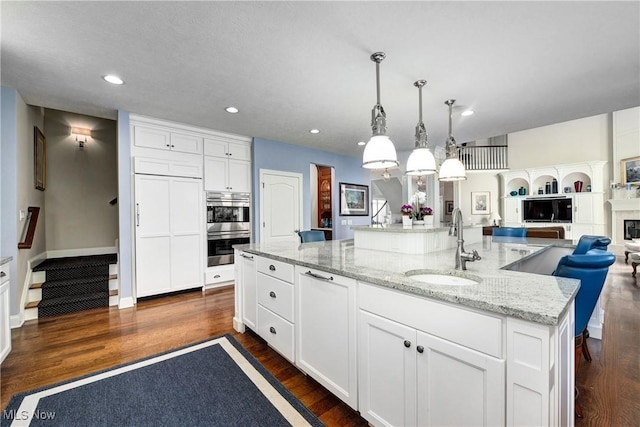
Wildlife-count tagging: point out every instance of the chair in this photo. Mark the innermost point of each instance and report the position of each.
(311, 236)
(510, 232)
(591, 269)
(586, 243)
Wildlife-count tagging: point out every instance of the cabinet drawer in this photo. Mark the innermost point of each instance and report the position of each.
(4, 273)
(279, 270)
(219, 275)
(276, 295)
(276, 331)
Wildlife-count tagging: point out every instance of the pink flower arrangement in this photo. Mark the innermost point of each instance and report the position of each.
(406, 209)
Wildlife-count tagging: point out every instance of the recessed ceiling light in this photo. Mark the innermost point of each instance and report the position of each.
(314, 131)
(467, 113)
(231, 110)
(361, 143)
(113, 79)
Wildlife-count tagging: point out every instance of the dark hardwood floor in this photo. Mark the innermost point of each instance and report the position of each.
(56, 349)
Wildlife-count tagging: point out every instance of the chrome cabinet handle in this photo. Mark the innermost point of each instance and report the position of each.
(272, 294)
(407, 343)
(272, 330)
(2, 274)
(317, 276)
(420, 349)
(272, 267)
(137, 214)
(246, 256)
(217, 276)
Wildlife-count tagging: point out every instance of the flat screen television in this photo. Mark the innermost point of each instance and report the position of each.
(556, 209)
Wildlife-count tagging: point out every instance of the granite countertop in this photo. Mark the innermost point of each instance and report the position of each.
(533, 297)
(399, 228)
(5, 259)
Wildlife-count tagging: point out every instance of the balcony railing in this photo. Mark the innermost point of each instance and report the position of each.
(488, 157)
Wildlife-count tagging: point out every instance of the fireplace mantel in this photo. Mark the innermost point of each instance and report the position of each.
(625, 204)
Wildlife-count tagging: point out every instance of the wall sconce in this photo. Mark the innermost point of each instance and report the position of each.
(82, 132)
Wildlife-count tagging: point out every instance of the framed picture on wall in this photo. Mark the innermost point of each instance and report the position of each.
(39, 159)
(354, 199)
(630, 169)
(480, 202)
(448, 207)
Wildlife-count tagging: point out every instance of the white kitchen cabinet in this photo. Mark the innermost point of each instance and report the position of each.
(169, 234)
(512, 211)
(5, 328)
(274, 295)
(409, 377)
(325, 312)
(227, 166)
(164, 139)
(248, 283)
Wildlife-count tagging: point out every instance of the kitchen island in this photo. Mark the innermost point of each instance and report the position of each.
(407, 340)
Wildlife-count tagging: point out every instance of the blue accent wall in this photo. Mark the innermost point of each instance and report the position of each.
(279, 156)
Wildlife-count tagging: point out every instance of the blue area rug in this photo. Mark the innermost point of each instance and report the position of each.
(213, 383)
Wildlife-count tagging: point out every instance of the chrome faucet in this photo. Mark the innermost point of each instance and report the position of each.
(462, 257)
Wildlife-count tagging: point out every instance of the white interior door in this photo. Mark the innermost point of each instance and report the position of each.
(280, 206)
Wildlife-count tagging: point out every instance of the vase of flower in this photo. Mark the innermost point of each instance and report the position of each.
(407, 214)
(418, 222)
(428, 220)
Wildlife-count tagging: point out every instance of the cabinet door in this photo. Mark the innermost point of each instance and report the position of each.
(326, 331)
(187, 242)
(151, 138)
(458, 386)
(239, 176)
(214, 147)
(153, 234)
(512, 211)
(239, 151)
(215, 174)
(583, 209)
(248, 283)
(186, 143)
(5, 329)
(387, 371)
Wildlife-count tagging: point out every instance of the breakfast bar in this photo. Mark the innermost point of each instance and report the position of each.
(407, 339)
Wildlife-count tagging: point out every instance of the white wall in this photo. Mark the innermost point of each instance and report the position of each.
(575, 141)
(626, 141)
(80, 183)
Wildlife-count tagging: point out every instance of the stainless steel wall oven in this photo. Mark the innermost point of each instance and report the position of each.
(228, 224)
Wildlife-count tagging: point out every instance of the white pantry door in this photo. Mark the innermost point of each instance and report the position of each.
(280, 206)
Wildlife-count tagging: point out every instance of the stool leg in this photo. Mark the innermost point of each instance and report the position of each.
(585, 347)
(626, 257)
(634, 265)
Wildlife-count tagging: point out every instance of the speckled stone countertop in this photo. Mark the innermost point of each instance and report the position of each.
(533, 297)
(5, 259)
(399, 228)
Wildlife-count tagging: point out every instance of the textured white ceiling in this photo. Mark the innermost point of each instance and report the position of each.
(293, 66)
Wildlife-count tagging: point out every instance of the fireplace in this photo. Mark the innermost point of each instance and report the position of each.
(631, 229)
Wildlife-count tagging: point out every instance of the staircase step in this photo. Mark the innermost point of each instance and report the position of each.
(71, 304)
(76, 262)
(76, 286)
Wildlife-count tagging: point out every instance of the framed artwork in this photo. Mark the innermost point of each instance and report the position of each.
(39, 159)
(354, 199)
(480, 202)
(448, 207)
(630, 169)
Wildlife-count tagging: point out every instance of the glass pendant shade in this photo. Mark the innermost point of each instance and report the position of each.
(379, 153)
(452, 170)
(421, 162)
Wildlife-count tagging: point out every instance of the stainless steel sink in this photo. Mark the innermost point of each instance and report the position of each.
(440, 278)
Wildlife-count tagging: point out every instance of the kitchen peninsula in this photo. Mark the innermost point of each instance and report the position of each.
(407, 340)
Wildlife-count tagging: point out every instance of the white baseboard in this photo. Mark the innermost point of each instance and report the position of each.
(238, 325)
(126, 303)
(81, 252)
(17, 320)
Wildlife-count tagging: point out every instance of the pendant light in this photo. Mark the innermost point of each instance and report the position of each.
(379, 152)
(452, 168)
(421, 161)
